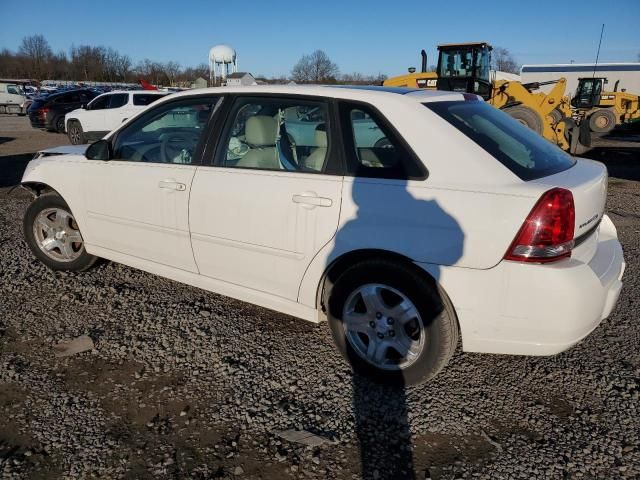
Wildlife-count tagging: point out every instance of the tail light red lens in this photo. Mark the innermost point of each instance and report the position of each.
(547, 233)
(43, 111)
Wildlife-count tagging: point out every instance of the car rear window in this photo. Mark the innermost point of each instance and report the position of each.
(520, 149)
(145, 99)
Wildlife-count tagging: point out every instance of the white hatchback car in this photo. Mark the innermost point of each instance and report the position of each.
(106, 112)
(461, 222)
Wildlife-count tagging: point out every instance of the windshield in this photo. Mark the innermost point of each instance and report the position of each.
(520, 149)
(456, 62)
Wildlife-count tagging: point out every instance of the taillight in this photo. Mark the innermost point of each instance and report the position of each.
(547, 233)
(43, 111)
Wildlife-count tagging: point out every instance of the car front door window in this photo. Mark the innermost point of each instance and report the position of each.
(168, 134)
(99, 103)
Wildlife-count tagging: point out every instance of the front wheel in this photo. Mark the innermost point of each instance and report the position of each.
(526, 116)
(52, 233)
(75, 133)
(391, 323)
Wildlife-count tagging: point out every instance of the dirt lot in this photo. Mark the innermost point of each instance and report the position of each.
(182, 383)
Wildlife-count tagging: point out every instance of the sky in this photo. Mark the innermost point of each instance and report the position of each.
(369, 37)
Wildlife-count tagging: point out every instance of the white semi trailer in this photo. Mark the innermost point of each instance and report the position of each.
(627, 75)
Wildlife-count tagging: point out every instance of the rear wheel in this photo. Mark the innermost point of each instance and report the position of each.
(391, 323)
(526, 116)
(60, 125)
(75, 133)
(52, 233)
(602, 121)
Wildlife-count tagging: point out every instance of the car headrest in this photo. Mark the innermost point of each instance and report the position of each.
(260, 131)
(321, 138)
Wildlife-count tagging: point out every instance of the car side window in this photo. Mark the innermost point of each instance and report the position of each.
(167, 134)
(100, 103)
(118, 100)
(373, 148)
(277, 134)
(144, 99)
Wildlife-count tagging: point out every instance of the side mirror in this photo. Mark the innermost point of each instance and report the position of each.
(100, 150)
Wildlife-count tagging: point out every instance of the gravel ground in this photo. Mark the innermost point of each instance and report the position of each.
(182, 383)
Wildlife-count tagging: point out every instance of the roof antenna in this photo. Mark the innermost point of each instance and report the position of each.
(595, 65)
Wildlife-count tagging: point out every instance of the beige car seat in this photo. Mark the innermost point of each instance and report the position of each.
(260, 134)
(315, 161)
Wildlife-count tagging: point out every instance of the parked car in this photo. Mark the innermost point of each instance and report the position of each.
(13, 99)
(106, 112)
(47, 113)
(462, 222)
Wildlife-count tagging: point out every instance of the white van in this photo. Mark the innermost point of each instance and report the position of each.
(13, 99)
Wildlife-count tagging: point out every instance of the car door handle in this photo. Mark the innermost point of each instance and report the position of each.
(313, 200)
(172, 185)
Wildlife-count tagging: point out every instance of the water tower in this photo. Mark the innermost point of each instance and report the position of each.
(222, 61)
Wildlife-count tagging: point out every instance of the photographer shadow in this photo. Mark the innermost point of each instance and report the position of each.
(386, 214)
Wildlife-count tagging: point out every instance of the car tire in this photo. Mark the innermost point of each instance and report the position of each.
(50, 230)
(59, 124)
(526, 116)
(75, 133)
(432, 331)
(602, 121)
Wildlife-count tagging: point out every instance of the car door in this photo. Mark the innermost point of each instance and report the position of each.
(91, 118)
(139, 204)
(268, 205)
(115, 112)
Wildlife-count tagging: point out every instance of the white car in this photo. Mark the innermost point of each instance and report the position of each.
(463, 222)
(105, 113)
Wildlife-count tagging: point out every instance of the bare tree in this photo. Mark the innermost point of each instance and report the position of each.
(123, 67)
(172, 69)
(316, 67)
(37, 50)
(504, 61)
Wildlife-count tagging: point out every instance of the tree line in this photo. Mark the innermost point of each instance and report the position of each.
(35, 59)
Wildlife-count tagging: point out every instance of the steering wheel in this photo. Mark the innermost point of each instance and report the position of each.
(174, 144)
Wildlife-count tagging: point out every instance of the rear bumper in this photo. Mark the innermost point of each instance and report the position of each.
(529, 309)
(38, 122)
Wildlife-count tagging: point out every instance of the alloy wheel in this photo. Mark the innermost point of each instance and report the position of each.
(383, 326)
(57, 235)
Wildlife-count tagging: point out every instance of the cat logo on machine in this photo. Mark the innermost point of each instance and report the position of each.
(426, 83)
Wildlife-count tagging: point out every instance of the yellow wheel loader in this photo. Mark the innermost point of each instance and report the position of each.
(603, 110)
(465, 67)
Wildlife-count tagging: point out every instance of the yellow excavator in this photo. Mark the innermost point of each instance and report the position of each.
(603, 110)
(465, 67)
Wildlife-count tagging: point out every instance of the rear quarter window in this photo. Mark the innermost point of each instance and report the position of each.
(521, 150)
